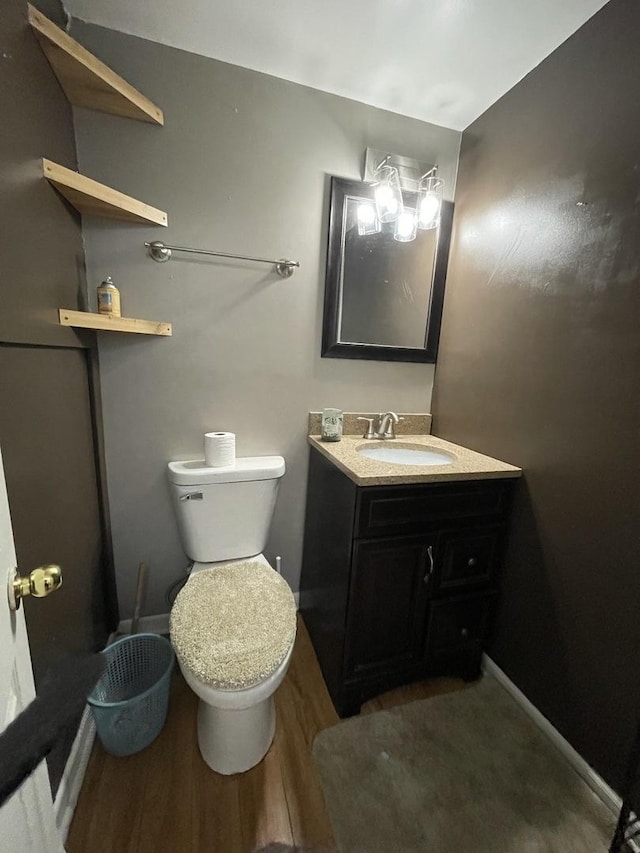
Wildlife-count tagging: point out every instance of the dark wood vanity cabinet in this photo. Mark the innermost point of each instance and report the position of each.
(398, 582)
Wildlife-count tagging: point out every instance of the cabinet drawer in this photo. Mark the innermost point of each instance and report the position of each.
(467, 558)
(458, 621)
(399, 510)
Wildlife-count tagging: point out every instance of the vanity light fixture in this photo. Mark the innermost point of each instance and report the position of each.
(392, 176)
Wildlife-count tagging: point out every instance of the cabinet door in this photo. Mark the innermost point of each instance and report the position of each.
(387, 606)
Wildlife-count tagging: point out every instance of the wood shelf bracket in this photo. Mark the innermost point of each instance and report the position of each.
(86, 81)
(95, 199)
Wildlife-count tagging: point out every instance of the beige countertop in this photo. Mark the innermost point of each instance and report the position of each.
(467, 464)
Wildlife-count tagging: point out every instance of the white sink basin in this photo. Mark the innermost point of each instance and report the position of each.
(406, 454)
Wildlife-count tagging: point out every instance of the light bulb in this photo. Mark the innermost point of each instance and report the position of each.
(405, 230)
(388, 194)
(430, 202)
(383, 194)
(367, 219)
(366, 214)
(429, 207)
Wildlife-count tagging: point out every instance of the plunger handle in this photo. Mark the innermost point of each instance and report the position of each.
(142, 578)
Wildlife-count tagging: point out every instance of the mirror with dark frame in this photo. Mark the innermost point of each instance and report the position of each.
(383, 298)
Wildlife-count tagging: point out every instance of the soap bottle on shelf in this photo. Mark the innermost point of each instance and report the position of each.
(108, 298)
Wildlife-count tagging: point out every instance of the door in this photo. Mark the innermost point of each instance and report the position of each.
(388, 606)
(50, 473)
(27, 823)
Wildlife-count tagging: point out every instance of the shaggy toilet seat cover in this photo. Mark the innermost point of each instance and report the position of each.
(232, 626)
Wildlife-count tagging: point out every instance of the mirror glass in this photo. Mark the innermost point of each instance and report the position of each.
(393, 280)
(383, 298)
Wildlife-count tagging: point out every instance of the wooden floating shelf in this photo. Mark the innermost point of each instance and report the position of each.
(103, 322)
(88, 196)
(88, 82)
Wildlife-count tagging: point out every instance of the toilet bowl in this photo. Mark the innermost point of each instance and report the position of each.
(233, 624)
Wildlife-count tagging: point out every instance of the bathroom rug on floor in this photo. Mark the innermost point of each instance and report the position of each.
(468, 771)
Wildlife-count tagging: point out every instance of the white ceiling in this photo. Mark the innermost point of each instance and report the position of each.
(443, 61)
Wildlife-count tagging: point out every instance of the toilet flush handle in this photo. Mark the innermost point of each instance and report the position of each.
(191, 496)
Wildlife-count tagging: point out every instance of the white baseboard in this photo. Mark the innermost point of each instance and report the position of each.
(597, 784)
(73, 776)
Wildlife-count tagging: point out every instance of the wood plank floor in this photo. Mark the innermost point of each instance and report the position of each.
(167, 800)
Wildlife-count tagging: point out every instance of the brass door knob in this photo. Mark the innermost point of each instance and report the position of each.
(41, 582)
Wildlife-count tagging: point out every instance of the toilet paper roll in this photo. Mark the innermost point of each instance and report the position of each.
(219, 449)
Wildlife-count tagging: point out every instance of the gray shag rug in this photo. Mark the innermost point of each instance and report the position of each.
(467, 771)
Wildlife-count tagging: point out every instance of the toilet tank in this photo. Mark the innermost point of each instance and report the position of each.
(225, 513)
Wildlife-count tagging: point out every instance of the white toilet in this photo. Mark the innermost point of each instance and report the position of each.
(233, 624)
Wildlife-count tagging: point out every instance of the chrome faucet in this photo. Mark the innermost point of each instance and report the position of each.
(385, 428)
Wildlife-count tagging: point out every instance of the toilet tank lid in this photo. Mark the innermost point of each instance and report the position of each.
(194, 472)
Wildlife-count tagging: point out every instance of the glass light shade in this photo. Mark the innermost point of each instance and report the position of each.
(367, 219)
(406, 227)
(388, 194)
(430, 202)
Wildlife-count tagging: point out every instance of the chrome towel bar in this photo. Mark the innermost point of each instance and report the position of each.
(161, 253)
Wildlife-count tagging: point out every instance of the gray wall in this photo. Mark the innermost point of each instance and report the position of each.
(241, 166)
(540, 365)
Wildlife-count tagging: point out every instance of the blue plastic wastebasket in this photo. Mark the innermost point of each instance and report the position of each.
(129, 702)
